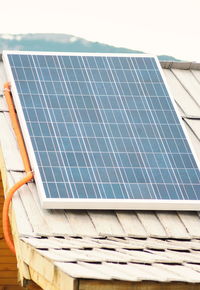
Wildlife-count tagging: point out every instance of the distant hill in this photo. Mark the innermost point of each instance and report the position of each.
(62, 43)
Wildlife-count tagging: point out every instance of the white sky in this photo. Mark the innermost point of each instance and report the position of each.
(155, 26)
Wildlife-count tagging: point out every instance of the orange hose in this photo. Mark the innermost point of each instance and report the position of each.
(24, 155)
(16, 127)
(9, 195)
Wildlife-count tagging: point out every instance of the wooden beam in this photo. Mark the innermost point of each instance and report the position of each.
(11, 287)
(8, 281)
(8, 267)
(43, 271)
(41, 281)
(60, 282)
(122, 285)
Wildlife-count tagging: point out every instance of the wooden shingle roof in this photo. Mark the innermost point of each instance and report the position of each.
(124, 245)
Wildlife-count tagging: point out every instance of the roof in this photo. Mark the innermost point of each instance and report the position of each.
(106, 245)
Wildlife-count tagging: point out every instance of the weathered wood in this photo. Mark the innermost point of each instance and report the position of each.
(121, 285)
(60, 256)
(195, 267)
(37, 262)
(196, 74)
(3, 172)
(56, 220)
(183, 65)
(81, 223)
(41, 281)
(132, 272)
(144, 257)
(61, 281)
(194, 139)
(115, 271)
(194, 126)
(53, 243)
(106, 223)
(151, 224)
(3, 105)
(189, 82)
(173, 225)
(106, 255)
(9, 146)
(3, 78)
(117, 243)
(131, 224)
(79, 271)
(23, 224)
(186, 274)
(22, 267)
(33, 211)
(181, 96)
(180, 257)
(44, 272)
(186, 245)
(152, 243)
(75, 243)
(152, 273)
(191, 222)
(95, 255)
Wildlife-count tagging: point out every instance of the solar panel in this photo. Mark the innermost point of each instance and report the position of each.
(102, 132)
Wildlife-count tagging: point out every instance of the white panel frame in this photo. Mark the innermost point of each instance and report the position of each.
(106, 204)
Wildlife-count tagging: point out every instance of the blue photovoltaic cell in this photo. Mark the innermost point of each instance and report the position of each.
(104, 127)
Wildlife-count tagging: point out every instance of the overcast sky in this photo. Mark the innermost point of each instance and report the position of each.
(155, 26)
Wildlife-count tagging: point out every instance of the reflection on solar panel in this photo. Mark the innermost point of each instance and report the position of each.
(102, 132)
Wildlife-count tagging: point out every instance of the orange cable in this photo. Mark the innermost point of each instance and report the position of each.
(16, 127)
(24, 155)
(5, 218)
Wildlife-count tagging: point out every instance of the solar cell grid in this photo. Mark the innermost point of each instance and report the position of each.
(102, 127)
